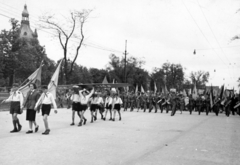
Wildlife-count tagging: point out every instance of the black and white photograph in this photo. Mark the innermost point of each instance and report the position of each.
(119, 82)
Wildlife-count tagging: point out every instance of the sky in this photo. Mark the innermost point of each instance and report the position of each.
(157, 31)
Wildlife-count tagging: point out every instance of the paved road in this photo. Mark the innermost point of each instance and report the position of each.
(140, 138)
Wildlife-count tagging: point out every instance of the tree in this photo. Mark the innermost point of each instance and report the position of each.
(170, 74)
(73, 29)
(200, 77)
(98, 75)
(20, 56)
(134, 73)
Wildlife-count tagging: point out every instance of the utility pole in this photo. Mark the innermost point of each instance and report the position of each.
(125, 62)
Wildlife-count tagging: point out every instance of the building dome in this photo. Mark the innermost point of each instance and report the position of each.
(25, 12)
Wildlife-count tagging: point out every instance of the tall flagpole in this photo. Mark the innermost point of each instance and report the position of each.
(125, 62)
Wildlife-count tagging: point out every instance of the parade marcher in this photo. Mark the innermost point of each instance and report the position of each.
(100, 107)
(175, 103)
(46, 99)
(138, 101)
(198, 105)
(31, 100)
(84, 98)
(216, 105)
(125, 101)
(116, 106)
(16, 105)
(108, 106)
(60, 97)
(68, 98)
(93, 107)
(207, 102)
(143, 102)
(181, 104)
(191, 104)
(75, 98)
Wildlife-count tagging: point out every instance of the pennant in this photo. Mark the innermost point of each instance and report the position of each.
(221, 92)
(136, 89)
(142, 90)
(165, 90)
(155, 88)
(211, 97)
(105, 80)
(195, 93)
(52, 86)
(114, 89)
(35, 77)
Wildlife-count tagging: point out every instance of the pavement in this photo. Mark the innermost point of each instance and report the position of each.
(139, 138)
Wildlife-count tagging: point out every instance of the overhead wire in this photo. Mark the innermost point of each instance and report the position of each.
(88, 44)
(219, 57)
(213, 33)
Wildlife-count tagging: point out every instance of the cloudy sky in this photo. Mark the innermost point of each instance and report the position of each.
(156, 31)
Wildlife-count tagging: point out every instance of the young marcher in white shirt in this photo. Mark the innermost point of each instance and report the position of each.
(108, 105)
(84, 98)
(116, 106)
(46, 99)
(93, 107)
(16, 106)
(99, 107)
(75, 98)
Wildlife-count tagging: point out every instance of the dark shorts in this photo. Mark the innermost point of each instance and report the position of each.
(83, 107)
(93, 107)
(117, 107)
(109, 106)
(46, 108)
(15, 107)
(31, 115)
(76, 106)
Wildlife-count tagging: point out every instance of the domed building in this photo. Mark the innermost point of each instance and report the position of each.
(25, 30)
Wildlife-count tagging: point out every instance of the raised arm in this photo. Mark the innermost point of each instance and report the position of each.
(90, 94)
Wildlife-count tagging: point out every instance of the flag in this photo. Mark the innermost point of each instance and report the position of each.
(165, 90)
(35, 77)
(221, 92)
(195, 93)
(155, 87)
(105, 80)
(211, 97)
(142, 90)
(52, 86)
(114, 89)
(136, 89)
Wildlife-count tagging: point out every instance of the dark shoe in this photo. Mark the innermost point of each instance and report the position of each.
(72, 124)
(36, 129)
(46, 132)
(95, 118)
(110, 119)
(19, 128)
(80, 124)
(120, 118)
(29, 132)
(85, 120)
(113, 119)
(14, 130)
(104, 118)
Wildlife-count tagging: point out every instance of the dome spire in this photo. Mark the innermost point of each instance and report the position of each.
(25, 12)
